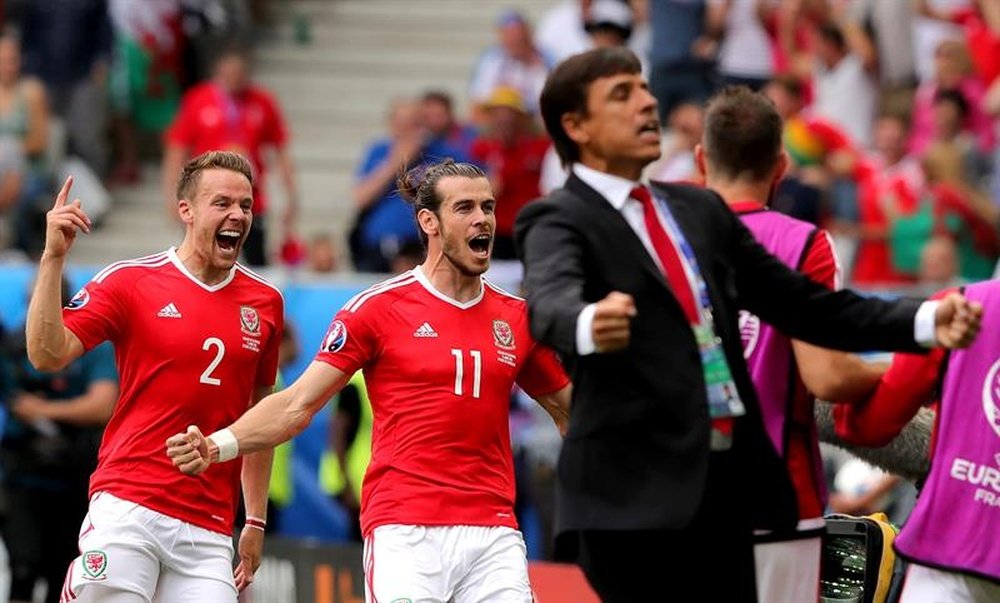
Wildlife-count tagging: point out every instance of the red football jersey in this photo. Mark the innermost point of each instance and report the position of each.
(439, 375)
(188, 354)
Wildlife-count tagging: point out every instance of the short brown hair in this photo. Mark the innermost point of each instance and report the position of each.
(567, 86)
(211, 160)
(742, 133)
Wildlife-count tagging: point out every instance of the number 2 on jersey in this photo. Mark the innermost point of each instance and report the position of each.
(477, 366)
(207, 377)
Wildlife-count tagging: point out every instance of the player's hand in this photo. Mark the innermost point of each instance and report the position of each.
(189, 451)
(62, 222)
(251, 547)
(957, 321)
(612, 322)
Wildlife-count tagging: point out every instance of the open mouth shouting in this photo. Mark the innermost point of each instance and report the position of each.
(481, 245)
(228, 240)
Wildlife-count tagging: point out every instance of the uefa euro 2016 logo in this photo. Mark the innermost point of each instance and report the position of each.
(749, 332)
(991, 397)
(336, 338)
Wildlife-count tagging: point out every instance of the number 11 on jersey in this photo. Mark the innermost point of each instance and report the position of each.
(477, 370)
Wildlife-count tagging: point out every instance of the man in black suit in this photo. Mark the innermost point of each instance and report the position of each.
(666, 464)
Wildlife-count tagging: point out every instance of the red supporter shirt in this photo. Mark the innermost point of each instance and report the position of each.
(188, 354)
(439, 376)
(209, 119)
(819, 263)
(517, 170)
(910, 382)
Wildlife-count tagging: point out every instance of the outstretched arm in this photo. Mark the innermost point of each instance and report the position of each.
(276, 419)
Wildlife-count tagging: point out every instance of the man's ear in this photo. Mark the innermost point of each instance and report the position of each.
(700, 162)
(783, 164)
(428, 222)
(186, 211)
(572, 124)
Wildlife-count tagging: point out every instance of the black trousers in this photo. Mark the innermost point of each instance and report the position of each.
(711, 559)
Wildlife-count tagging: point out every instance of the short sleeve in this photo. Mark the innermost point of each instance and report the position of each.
(542, 372)
(97, 312)
(351, 341)
(267, 370)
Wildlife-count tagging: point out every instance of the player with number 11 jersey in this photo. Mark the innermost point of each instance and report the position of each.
(439, 376)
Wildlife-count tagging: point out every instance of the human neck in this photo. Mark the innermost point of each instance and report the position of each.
(735, 191)
(449, 280)
(629, 169)
(198, 265)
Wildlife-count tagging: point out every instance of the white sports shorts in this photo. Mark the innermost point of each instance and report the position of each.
(132, 554)
(440, 564)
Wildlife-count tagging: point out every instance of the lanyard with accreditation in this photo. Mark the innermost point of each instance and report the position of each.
(723, 399)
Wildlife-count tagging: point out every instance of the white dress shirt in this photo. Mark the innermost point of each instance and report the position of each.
(616, 191)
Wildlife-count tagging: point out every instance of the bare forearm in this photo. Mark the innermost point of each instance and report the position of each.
(276, 419)
(45, 331)
(372, 187)
(92, 408)
(832, 375)
(256, 478)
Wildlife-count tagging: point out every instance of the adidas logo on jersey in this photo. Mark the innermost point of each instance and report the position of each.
(169, 311)
(425, 330)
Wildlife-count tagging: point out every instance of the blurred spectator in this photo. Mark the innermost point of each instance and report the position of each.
(892, 185)
(343, 466)
(573, 26)
(609, 23)
(950, 111)
(145, 78)
(512, 152)
(880, 32)
(323, 254)
(822, 159)
(681, 55)
(384, 222)
(952, 71)
(846, 93)
(514, 62)
(282, 485)
(980, 26)
(24, 139)
(745, 53)
(49, 451)
(929, 32)
(938, 266)
(561, 31)
(67, 44)
(437, 114)
(677, 162)
(230, 112)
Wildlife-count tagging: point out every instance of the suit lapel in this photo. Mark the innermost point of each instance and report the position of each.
(616, 227)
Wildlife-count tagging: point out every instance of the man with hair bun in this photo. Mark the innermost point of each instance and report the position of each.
(196, 339)
(441, 349)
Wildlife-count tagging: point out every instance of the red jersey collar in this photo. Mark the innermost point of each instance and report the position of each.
(746, 206)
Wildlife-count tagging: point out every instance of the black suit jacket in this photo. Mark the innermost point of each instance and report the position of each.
(636, 453)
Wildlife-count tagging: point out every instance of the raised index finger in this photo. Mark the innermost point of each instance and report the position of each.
(64, 192)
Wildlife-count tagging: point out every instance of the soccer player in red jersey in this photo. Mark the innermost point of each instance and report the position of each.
(441, 349)
(196, 340)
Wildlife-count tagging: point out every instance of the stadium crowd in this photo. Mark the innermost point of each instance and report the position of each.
(891, 120)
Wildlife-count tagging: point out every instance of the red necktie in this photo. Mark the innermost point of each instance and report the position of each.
(667, 254)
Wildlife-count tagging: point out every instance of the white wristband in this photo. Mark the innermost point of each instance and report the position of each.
(229, 447)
